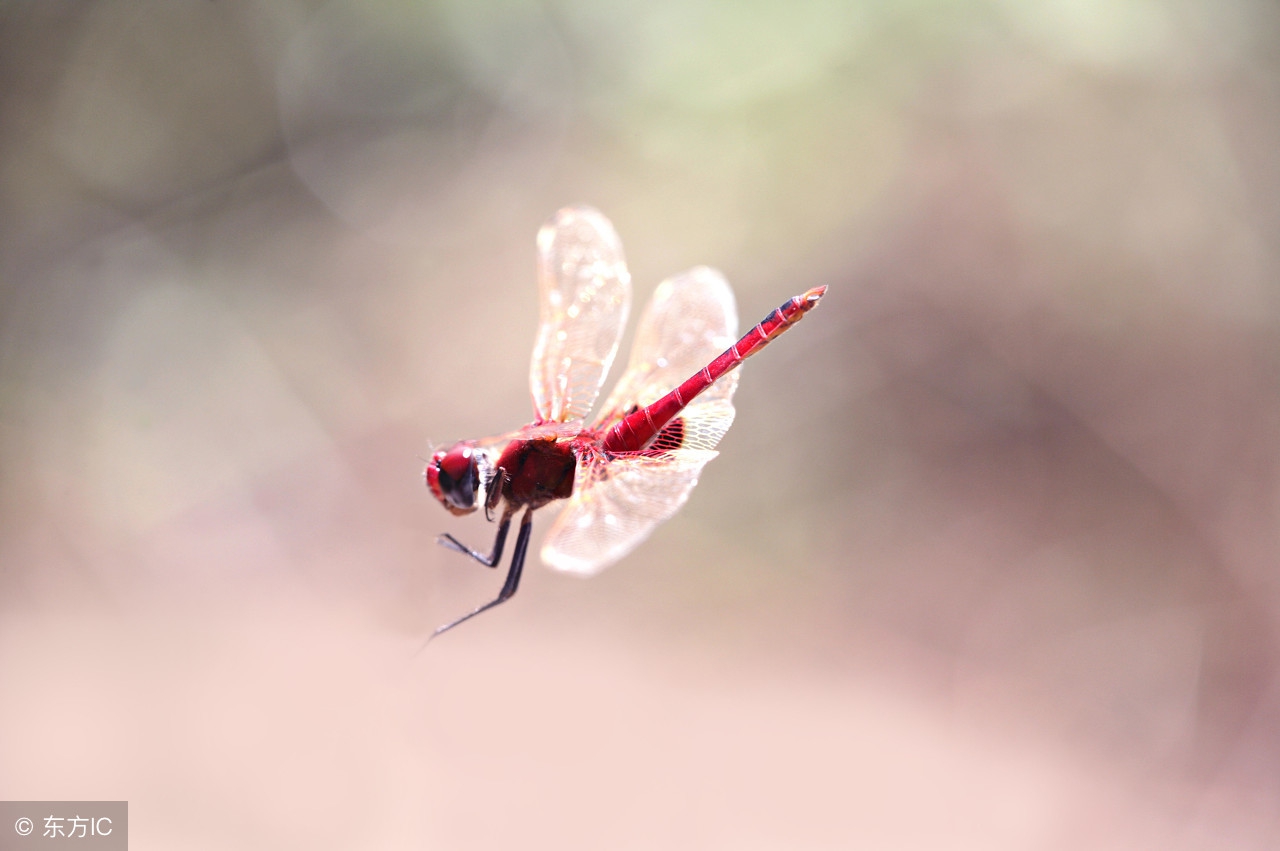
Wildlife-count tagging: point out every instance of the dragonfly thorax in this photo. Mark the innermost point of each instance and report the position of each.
(459, 477)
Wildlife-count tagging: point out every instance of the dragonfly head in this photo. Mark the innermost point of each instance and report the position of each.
(459, 477)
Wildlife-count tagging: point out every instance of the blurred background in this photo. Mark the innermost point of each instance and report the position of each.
(989, 557)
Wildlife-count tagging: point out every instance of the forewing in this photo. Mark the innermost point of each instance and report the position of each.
(584, 294)
(616, 504)
(533, 431)
(691, 319)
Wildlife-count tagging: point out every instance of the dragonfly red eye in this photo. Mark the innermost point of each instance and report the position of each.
(454, 478)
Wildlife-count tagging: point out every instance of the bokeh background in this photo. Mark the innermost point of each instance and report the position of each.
(989, 559)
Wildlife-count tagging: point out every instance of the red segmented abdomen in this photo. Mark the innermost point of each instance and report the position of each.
(634, 431)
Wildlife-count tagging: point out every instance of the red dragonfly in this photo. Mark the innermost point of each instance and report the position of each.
(634, 465)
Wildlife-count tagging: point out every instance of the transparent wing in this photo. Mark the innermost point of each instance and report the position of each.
(690, 320)
(533, 431)
(584, 294)
(616, 504)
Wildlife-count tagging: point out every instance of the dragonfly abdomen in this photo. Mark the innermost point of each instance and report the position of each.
(633, 432)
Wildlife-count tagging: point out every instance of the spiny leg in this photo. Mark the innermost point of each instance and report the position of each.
(490, 560)
(513, 573)
(494, 493)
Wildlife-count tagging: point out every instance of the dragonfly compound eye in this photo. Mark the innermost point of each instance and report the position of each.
(454, 478)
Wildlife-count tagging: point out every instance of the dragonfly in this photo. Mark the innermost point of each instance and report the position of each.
(634, 464)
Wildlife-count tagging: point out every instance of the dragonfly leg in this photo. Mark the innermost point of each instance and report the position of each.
(494, 493)
(490, 560)
(513, 573)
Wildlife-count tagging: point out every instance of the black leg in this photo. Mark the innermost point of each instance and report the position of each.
(513, 574)
(494, 489)
(490, 560)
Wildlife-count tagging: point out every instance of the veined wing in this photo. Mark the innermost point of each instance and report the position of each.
(584, 294)
(616, 503)
(690, 320)
(533, 431)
